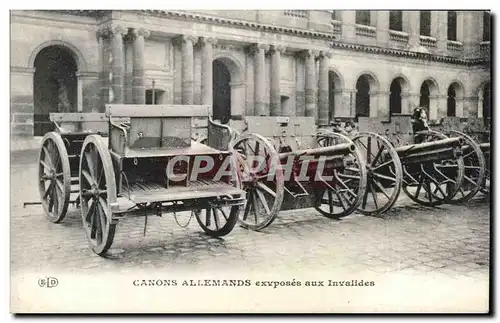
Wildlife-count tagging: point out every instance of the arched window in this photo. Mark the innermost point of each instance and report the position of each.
(452, 104)
(486, 25)
(396, 20)
(363, 17)
(452, 25)
(425, 23)
(395, 97)
(363, 97)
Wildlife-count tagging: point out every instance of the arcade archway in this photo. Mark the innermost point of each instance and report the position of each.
(55, 85)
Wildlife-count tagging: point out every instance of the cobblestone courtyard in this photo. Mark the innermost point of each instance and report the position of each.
(450, 241)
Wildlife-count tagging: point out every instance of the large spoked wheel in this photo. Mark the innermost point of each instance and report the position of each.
(485, 186)
(474, 169)
(433, 183)
(97, 193)
(343, 196)
(384, 173)
(54, 176)
(262, 180)
(218, 221)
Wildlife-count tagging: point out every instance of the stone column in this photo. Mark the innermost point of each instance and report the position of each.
(275, 95)
(472, 106)
(310, 84)
(104, 68)
(323, 97)
(117, 64)
(206, 69)
(187, 68)
(459, 107)
(259, 52)
(439, 19)
(348, 25)
(138, 86)
(409, 102)
(382, 24)
(412, 21)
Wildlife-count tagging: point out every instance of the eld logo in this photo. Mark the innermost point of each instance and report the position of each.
(48, 282)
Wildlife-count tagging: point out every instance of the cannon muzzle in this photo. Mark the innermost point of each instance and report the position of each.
(340, 149)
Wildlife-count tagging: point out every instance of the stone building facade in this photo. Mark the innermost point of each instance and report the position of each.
(317, 63)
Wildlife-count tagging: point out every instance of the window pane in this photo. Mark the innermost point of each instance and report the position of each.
(335, 15)
(396, 20)
(425, 23)
(486, 26)
(452, 25)
(363, 17)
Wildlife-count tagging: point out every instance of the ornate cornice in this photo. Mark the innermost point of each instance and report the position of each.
(334, 39)
(240, 23)
(409, 54)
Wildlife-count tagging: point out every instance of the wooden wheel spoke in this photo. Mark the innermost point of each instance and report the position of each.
(88, 177)
(46, 155)
(381, 188)
(342, 202)
(44, 164)
(365, 198)
(351, 169)
(208, 219)
(266, 188)
(93, 223)
(420, 183)
(216, 218)
(224, 214)
(384, 177)
(348, 176)
(374, 195)
(254, 205)
(99, 226)
(263, 201)
(470, 180)
(248, 205)
(49, 189)
(90, 211)
(377, 156)
(472, 167)
(433, 180)
(339, 181)
(383, 164)
(90, 164)
(330, 201)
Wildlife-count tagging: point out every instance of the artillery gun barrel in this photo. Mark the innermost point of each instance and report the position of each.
(428, 146)
(340, 149)
(432, 155)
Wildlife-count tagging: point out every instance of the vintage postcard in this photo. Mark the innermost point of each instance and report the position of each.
(250, 161)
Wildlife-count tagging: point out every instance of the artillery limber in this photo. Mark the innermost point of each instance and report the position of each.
(286, 164)
(59, 159)
(146, 164)
(430, 172)
(477, 156)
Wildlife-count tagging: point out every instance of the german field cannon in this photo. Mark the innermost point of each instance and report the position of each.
(284, 159)
(59, 159)
(477, 156)
(430, 172)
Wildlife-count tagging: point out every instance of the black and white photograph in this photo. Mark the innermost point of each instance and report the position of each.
(250, 161)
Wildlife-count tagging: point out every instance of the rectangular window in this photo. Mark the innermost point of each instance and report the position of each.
(335, 15)
(452, 25)
(425, 23)
(363, 17)
(396, 20)
(486, 26)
